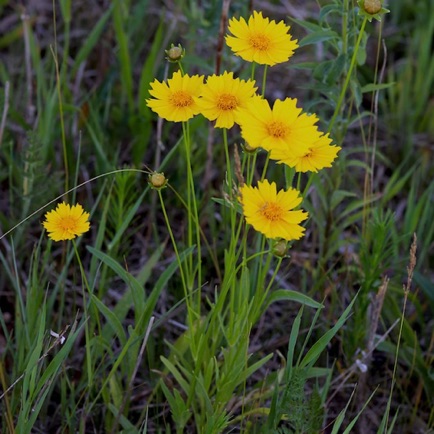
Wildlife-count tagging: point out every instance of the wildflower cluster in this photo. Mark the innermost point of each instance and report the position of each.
(290, 136)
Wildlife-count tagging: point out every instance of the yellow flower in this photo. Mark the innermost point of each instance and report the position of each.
(269, 211)
(177, 99)
(222, 95)
(261, 40)
(283, 127)
(66, 222)
(319, 155)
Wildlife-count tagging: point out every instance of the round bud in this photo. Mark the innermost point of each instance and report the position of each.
(372, 6)
(157, 180)
(175, 53)
(280, 248)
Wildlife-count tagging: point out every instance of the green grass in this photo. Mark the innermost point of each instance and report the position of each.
(168, 316)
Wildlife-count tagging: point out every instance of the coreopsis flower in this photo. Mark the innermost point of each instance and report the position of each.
(318, 155)
(222, 95)
(272, 213)
(280, 127)
(177, 99)
(66, 222)
(261, 40)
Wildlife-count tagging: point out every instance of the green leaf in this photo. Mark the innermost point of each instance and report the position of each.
(127, 219)
(318, 36)
(341, 416)
(373, 87)
(318, 347)
(353, 422)
(291, 345)
(178, 376)
(425, 284)
(112, 319)
(288, 295)
(307, 25)
(128, 427)
(137, 289)
(329, 9)
(91, 40)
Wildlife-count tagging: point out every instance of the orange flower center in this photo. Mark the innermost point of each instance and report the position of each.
(181, 99)
(68, 224)
(277, 129)
(260, 42)
(271, 211)
(226, 101)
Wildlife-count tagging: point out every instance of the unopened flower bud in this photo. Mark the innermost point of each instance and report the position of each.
(371, 9)
(157, 180)
(372, 6)
(175, 53)
(280, 248)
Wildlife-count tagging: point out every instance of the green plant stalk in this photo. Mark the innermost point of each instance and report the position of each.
(189, 207)
(192, 211)
(187, 293)
(308, 184)
(260, 300)
(86, 313)
(264, 171)
(59, 96)
(62, 123)
(259, 273)
(251, 168)
(264, 81)
(252, 75)
(345, 27)
(124, 55)
(299, 181)
(228, 165)
(348, 77)
(211, 251)
(395, 365)
(65, 7)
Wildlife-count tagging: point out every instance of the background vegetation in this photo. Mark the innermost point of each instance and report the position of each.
(74, 77)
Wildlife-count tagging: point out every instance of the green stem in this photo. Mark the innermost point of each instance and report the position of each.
(192, 211)
(345, 27)
(264, 170)
(299, 181)
(62, 123)
(86, 314)
(187, 294)
(348, 78)
(251, 170)
(264, 80)
(189, 199)
(289, 175)
(309, 182)
(181, 68)
(276, 270)
(228, 161)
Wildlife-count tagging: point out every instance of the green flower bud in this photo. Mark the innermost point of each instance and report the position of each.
(371, 9)
(157, 180)
(372, 6)
(175, 53)
(280, 248)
